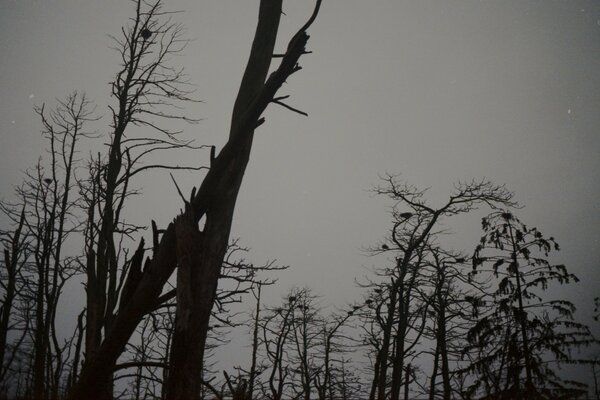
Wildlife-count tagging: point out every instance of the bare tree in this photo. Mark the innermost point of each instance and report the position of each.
(147, 89)
(453, 310)
(333, 344)
(16, 251)
(306, 338)
(198, 254)
(254, 368)
(277, 326)
(413, 226)
(46, 214)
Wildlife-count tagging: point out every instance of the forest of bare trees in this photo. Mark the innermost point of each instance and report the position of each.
(433, 322)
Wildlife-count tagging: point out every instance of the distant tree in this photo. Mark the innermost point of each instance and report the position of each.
(454, 302)
(45, 215)
(413, 228)
(276, 334)
(255, 369)
(331, 381)
(346, 381)
(519, 339)
(300, 349)
(306, 338)
(16, 252)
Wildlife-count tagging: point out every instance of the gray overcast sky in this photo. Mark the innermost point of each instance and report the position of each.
(438, 91)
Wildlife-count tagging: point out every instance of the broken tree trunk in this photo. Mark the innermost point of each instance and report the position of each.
(200, 254)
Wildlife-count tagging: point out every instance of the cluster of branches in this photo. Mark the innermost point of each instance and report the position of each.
(441, 324)
(134, 318)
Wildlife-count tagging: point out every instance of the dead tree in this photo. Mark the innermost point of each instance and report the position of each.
(15, 253)
(412, 228)
(253, 366)
(452, 297)
(306, 337)
(46, 214)
(198, 254)
(333, 343)
(277, 327)
(146, 90)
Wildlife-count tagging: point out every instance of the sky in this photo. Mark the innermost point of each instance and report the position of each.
(437, 91)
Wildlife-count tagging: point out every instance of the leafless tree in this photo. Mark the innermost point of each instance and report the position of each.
(414, 224)
(330, 380)
(46, 211)
(147, 90)
(255, 369)
(277, 326)
(198, 254)
(15, 243)
(305, 344)
(454, 302)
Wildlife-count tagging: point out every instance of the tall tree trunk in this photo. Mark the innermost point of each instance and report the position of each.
(375, 380)
(434, 372)
(406, 382)
(11, 262)
(200, 254)
(214, 200)
(385, 344)
(252, 377)
(444, 351)
(398, 362)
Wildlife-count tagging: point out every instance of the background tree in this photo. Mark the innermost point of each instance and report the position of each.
(524, 334)
(301, 349)
(15, 245)
(276, 327)
(306, 335)
(452, 298)
(413, 228)
(44, 217)
(330, 379)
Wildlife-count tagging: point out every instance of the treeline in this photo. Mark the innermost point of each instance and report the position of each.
(433, 323)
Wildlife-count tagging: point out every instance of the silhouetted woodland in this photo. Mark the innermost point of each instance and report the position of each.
(160, 301)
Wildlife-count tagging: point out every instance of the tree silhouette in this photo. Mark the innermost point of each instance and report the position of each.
(44, 217)
(197, 254)
(523, 333)
(414, 226)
